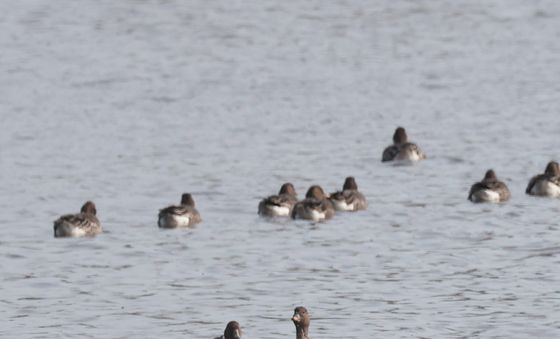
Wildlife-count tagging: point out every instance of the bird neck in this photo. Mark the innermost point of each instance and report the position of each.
(301, 332)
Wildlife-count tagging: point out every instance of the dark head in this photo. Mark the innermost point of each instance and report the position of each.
(552, 169)
(316, 192)
(288, 188)
(400, 136)
(490, 175)
(89, 207)
(187, 200)
(350, 184)
(232, 331)
(301, 318)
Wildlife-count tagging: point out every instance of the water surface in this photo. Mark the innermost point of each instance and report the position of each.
(132, 103)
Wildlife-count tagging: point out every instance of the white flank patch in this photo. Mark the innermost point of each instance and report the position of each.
(412, 156)
(181, 220)
(66, 230)
(167, 221)
(279, 211)
(78, 232)
(407, 155)
(341, 205)
(546, 188)
(486, 196)
(316, 215)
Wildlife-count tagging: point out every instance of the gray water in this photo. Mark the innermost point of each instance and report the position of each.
(132, 103)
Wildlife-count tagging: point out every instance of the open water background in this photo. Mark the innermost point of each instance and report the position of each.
(132, 103)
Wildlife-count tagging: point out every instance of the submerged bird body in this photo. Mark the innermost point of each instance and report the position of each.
(546, 184)
(82, 224)
(316, 206)
(490, 189)
(280, 205)
(181, 216)
(402, 150)
(349, 199)
(232, 331)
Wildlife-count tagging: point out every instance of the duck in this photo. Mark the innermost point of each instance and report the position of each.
(82, 224)
(280, 205)
(547, 184)
(232, 331)
(349, 199)
(490, 189)
(181, 216)
(401, 149)
(301, 321)
(316, 206)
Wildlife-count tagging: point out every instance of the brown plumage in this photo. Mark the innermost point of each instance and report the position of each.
(232, 331)
(281, 204)
(402, 149)
(490, 189)
(316, 206)
(301, 321)
(84, 223)
(349, 199)
(180, 216)
(546, 184)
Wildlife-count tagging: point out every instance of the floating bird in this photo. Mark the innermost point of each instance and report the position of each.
(349, 199)
(301, 320)
(232, 331)
(280, 205)
(547, 184)
(490, 189)
(184, 215)
(82, 224)
(402, 149)
(316, 206)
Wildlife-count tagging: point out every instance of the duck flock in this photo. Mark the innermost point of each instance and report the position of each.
(316, 206)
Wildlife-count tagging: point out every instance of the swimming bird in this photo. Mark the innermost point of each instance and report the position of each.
(316, 206)
(490, 189)
(280, 205)
(232, 331)
(349, 199)
(402, 149)
(301, 321)
(184, 215)
(82, 224)
(547, 184)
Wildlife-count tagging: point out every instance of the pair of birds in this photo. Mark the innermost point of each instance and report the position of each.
(86, 223)
(300, 318)
(490, 189)
(316, 206)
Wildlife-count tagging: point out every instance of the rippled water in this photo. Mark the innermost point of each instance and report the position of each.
(132, 103)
